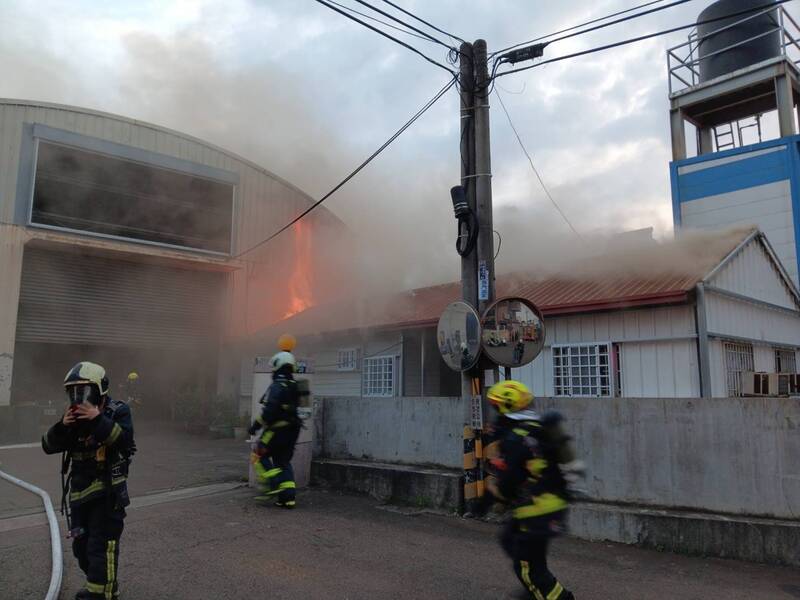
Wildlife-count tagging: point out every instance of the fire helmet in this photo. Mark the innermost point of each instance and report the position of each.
(287, 342)
(86, 381)
(133, 376)
(281, 359)
(510, 396)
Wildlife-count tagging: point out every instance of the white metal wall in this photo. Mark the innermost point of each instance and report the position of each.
(741, 319)
(769, 207)
(752, 273)
(329, 381)
(659, 351)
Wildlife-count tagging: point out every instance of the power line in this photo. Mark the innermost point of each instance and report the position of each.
(377, 20)
(358, 169)
(535, 170)
(618, 21)
(413, 16)
(574, 27)
(386, 35)
(641, 38)
(396, 20)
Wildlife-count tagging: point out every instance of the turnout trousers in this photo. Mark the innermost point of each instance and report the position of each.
(97, 545)
(274, 465)
(528, 551)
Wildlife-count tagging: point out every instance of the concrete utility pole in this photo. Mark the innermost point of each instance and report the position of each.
(469, 263)
(483, 179)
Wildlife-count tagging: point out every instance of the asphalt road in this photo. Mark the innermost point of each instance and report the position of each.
(344, 547)
(166, 459)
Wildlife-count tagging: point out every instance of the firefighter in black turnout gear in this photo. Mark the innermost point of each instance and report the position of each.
(527, 454)
(272, 454)
(95, 436)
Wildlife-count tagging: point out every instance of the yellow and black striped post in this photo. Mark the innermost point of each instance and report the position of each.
(470, 462)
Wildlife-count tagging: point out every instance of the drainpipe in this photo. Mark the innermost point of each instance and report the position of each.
(703, 354)
(422, 363)
(402, 381)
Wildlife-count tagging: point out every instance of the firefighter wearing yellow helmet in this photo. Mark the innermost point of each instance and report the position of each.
(280, 422)
(96, 437)
(526, 454)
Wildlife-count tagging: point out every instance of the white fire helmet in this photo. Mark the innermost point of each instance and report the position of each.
(281, 359)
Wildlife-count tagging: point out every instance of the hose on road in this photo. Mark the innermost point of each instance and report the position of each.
(55, 535)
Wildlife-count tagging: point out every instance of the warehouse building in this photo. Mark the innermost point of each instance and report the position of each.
(697, 317)
(129, 244)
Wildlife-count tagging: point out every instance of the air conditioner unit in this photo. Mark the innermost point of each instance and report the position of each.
(784, 384)
(756, 384)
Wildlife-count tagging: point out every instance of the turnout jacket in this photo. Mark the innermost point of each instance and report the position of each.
(279, 409)
(99, 452)
(525, 453)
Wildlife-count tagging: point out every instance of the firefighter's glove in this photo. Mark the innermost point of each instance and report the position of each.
(254, 428)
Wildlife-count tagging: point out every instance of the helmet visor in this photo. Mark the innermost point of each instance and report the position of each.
(81, 392)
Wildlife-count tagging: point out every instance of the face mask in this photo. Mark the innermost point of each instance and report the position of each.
(78, 394)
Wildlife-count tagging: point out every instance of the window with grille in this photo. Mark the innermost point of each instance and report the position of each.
(785, 361)
(582, 370)
(738, 360)
(379, 376)
(347, 359)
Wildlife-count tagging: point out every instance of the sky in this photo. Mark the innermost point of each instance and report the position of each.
(308, 94)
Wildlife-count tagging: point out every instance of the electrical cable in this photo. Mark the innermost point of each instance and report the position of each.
(386, 35)
(413, 16)
(396, 20)
(499, 243)
(764, 7)
(358, 169)
(377, 20)
(535, 170)
(577, 33)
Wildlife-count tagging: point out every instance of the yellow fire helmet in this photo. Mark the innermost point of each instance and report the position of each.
(510, 396)
(287, 342)
(133, 376)
(85, 373)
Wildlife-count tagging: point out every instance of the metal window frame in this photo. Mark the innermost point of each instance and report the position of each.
(34, 133)
(366, 362)
(736, 347)
(792, 359)
(611, 387)
(339, 353)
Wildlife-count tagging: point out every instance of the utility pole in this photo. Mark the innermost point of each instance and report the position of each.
(483, 189)
(469, 263)
(483, 179)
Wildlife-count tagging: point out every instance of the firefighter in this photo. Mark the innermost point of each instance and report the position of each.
(281, 426)
(132, 389)
(527, 454)
(95, 436)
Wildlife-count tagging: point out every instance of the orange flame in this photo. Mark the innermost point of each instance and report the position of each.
(299, 289)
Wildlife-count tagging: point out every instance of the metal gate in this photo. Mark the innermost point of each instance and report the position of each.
(69, 298)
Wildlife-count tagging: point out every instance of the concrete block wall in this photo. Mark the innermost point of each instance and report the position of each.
(412, 430)
(733, 456)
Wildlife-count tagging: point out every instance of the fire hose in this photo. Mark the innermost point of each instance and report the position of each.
(55, 536)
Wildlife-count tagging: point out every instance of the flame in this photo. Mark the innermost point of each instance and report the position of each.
(299, 289)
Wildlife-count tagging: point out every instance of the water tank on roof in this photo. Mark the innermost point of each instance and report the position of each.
(752, 52)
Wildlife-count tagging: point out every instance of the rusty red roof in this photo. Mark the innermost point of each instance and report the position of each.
(659, 274)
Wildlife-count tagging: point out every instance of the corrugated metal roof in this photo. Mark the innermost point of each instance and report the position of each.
(593, 285)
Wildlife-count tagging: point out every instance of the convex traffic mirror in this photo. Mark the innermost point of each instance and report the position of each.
(459, 336)
(513, 332)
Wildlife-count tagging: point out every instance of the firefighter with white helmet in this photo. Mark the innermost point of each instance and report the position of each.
(272, 454)
(95, 436)
(528, 454)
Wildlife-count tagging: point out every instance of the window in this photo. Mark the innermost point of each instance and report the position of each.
(81, 190)
(582, 370)
(379, 376)
(738, 360)
(347, 360)
(785, 361)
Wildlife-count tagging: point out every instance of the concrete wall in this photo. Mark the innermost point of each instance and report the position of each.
(736, 456)
(422, 431)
